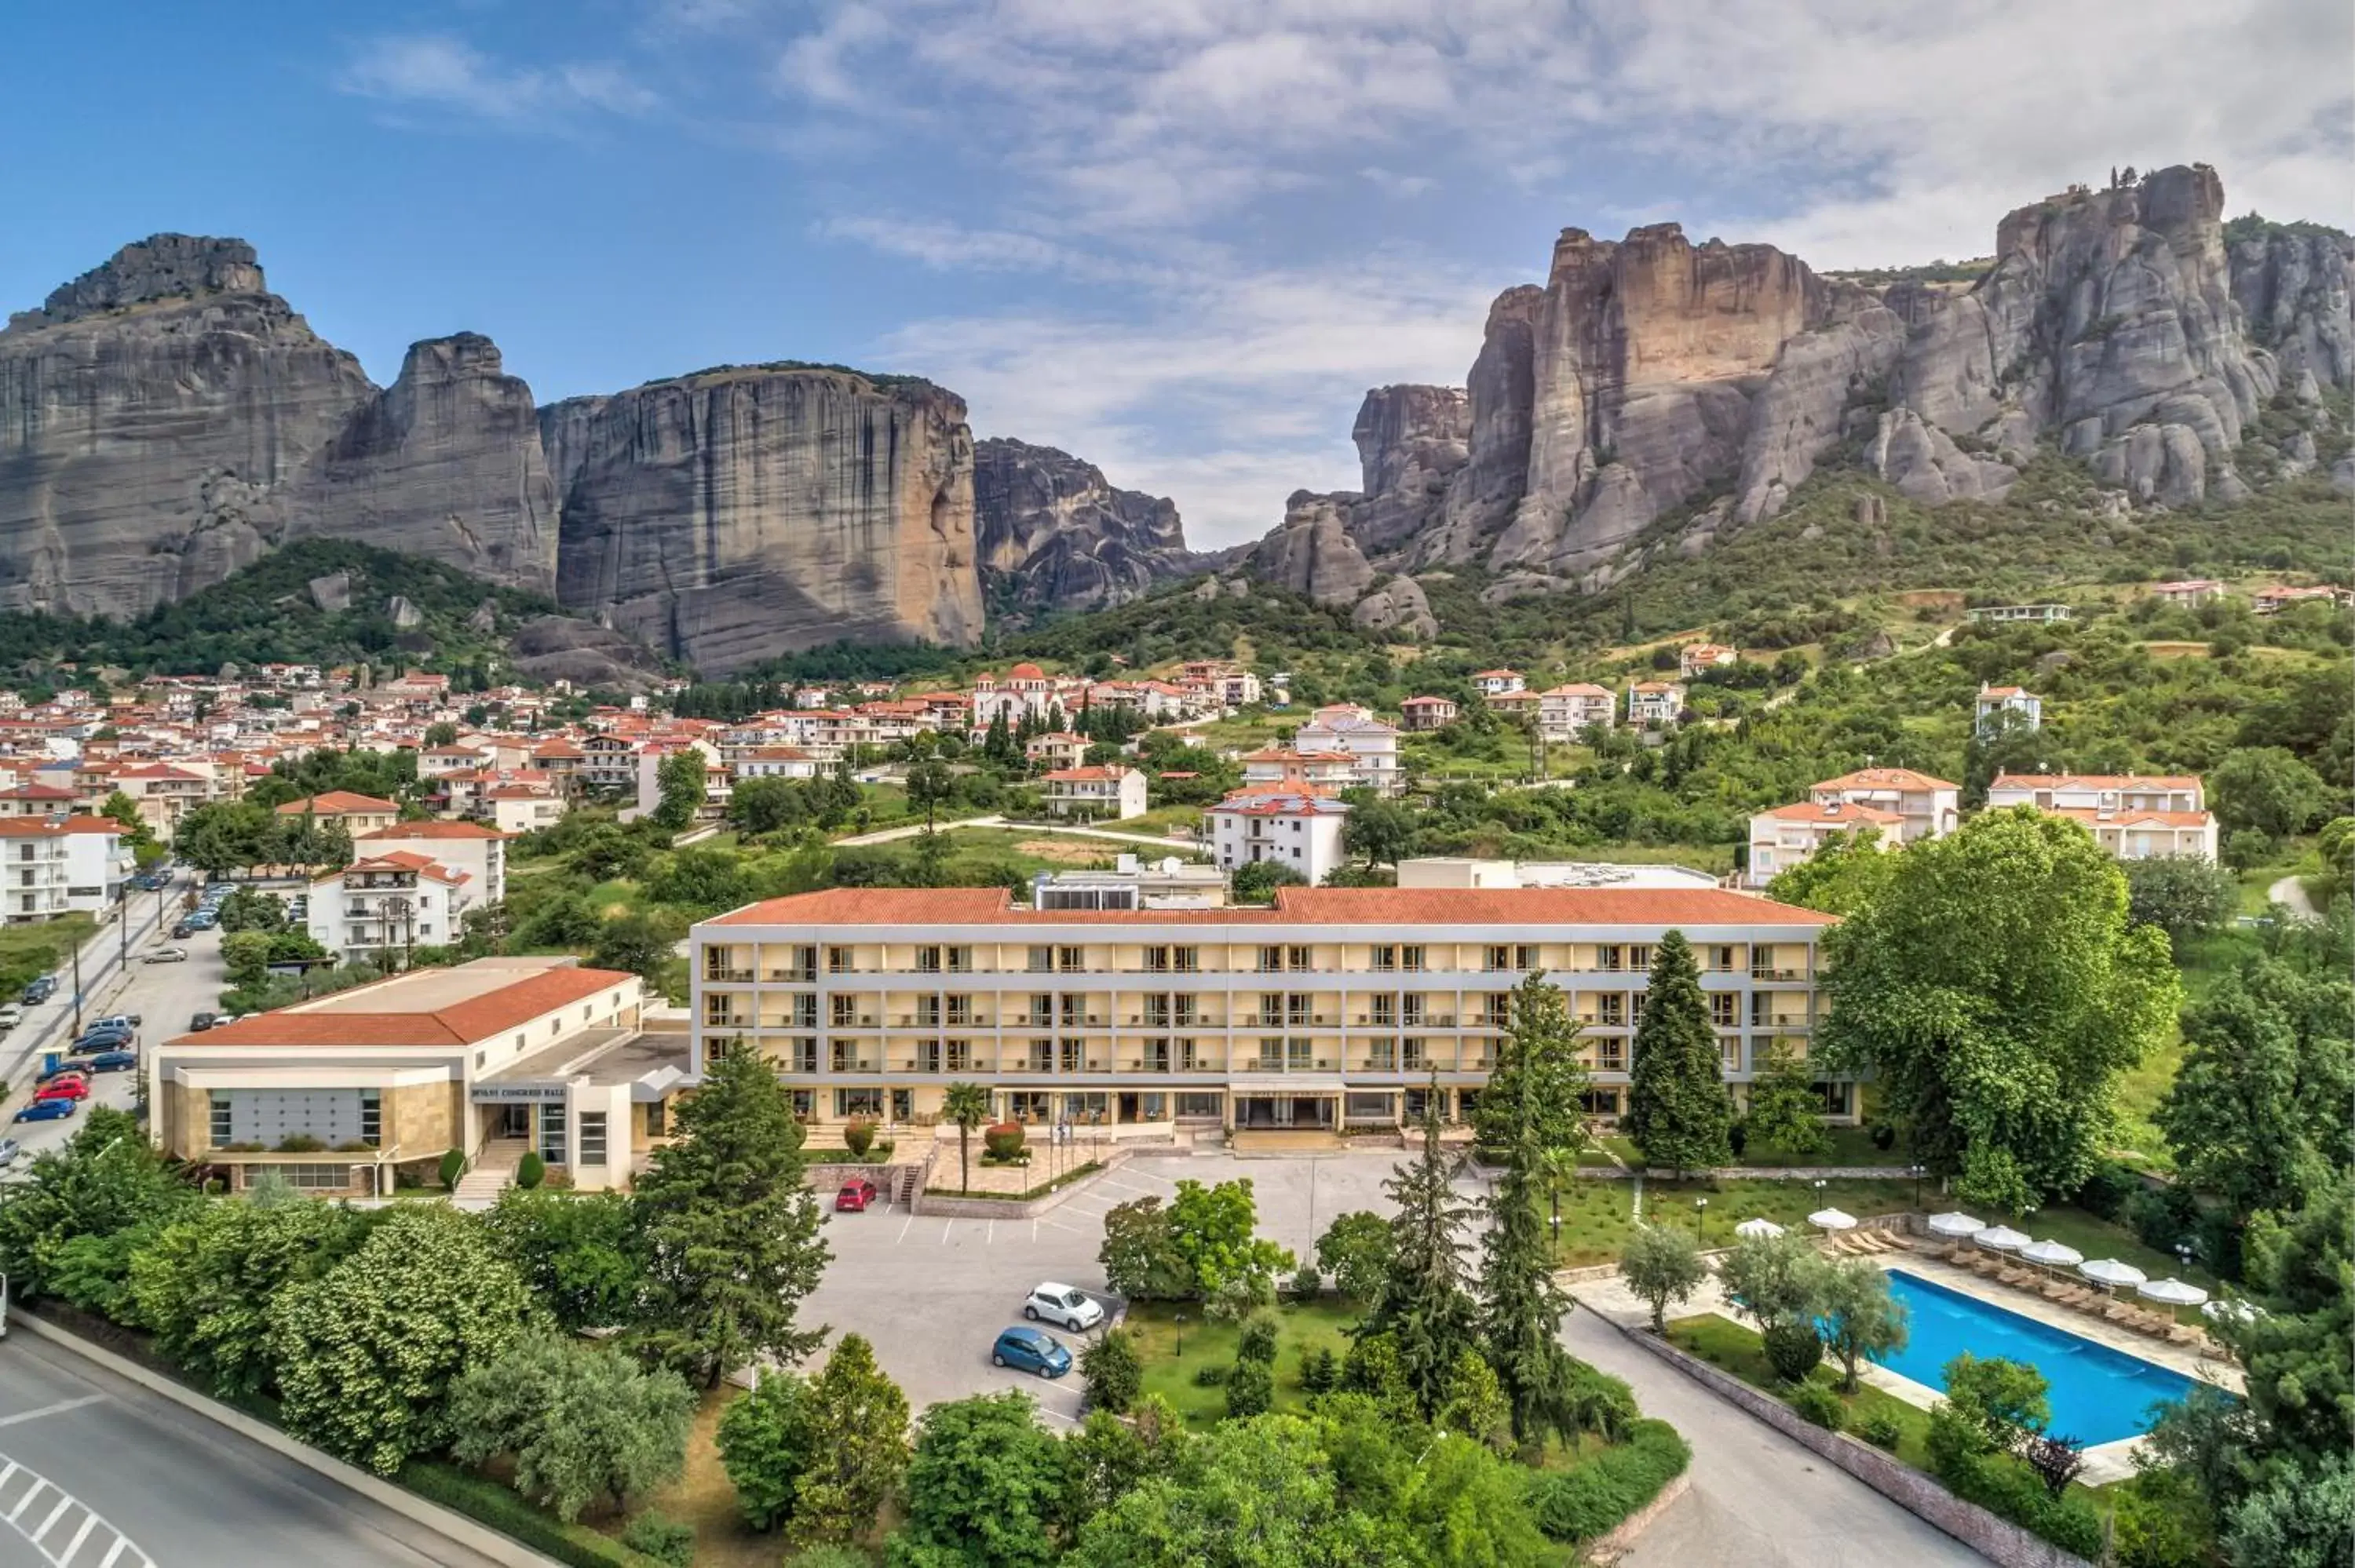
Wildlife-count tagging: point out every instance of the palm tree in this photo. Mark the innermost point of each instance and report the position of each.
(967, 1105)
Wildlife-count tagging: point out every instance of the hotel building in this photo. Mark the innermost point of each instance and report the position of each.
(1334, 1008)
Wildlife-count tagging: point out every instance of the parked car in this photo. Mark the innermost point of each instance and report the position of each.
(182, 931)
(102, 1040)
(11, 1015)
(124, 1020)
(1031, 1350)
(44, 1110)
(114, 1062)
(1063, 1304)
(65, 1087)
(8, 1152)
(200, 1023)
(168, 956)
(855, 1194)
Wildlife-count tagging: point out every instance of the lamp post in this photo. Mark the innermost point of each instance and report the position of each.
(1701, 1220)
(1916, 1173)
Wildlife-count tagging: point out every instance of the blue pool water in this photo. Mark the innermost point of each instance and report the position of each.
(2098, 1394)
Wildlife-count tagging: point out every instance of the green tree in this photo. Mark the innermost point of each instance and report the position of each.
(1252, 1494)
(1212, 1229)
(441, 732)
(1779, 1278)
(1378, 831)
(1110, 1456)
(582, 1422)
(2267, 790)
(1475, 1405)
(1662, 1264)
(2300, 1355)
(2001, 1401)
(1678, 1111)
(1785, 1112)
(204, 1284)
(1140, 1259)
(576, 1250)
(680, 789)
(2296, 1520)
(730, 1228)
(124, 811)
(1997, 992)
(106, 1181)
(1535, 1094)
(1845, 874)
(984, 1486)
(1357, 1250)
(966, 1105)
(2183, 896)
(858, 1446)
(366, 1352)
(1114, 1372)
(251, 909)
(1861, 1319)
(700, 881)
(930, 786)
(245, 959)
(1256, 882)
(1424, 1311)
(765, 1438)
(636, 943)
(2257, 1111)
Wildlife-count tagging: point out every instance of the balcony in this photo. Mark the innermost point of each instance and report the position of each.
(1762, 972)
(728, 977)
(787, 977)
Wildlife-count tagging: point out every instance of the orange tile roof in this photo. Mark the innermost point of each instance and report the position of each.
(932, 906)
(2094, 781)
(433, 830)
(1887, 778)
(1102, 774)
(2131, 817)
(461, 1024)
(34, 827)
(337, 802)
(1836, 811)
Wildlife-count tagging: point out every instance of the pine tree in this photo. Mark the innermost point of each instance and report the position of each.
(730, 1228)
(1521, 1307)
(1539, 1081)
(1678, 1111)
(1424, 1306)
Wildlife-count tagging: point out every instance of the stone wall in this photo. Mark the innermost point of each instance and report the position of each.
(423, 1120)
(1997, 1540)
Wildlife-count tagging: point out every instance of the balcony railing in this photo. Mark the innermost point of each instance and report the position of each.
(1763, 972)
(728, 977)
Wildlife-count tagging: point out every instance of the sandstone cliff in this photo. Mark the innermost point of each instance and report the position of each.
(165, 420)
(1653, 381)
(1053, 535)
(743, 512)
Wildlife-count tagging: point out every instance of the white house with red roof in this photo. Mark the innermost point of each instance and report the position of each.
(1372, 746)
(56, 865)
(1295, 829)
(2132, 816)
(1787, 836)
(1056, 749)
(1997, 700)
(1419, 716)
(1104, 791)
(1927, 806)
(358, 813)
(1694, 658)
(1654, 702)
(2189, 593)
(384, 906)
(1497, 682)
(1567, 712)
(1281, 766)
(477, 850)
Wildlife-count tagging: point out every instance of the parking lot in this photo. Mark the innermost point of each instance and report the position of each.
(932, 1294)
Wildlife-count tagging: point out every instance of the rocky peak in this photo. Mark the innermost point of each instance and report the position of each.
(1054, 535)
(161, 266)
(1312, 553)
(1411, 441)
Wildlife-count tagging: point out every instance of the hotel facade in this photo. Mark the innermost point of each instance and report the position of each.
(1333, 1009)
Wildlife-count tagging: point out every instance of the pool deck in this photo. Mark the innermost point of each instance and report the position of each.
(2105, 1462)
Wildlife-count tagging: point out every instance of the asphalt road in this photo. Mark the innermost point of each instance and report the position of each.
(96, 1472)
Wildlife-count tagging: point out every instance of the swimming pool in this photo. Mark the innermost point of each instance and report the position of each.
(2098, 1394)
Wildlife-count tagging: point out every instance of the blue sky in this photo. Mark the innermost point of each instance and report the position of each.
(1178, 237)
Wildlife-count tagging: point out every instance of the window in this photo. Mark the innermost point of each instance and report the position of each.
(1042, 960)
(1042, 1055)
(1071, 961)
(1414, 1011)
(960, 1055)
(1385, 1012)
(658, 1118)
(960, 961)
(1070, 1055)
(850, 1103)
(551, 1132)
(1157, 960)
(1298, 959)
(1411, 959)
(960, 1010)
(1271, 961)
(1186, 960)
(804, 1104)
(592, 1139)
(1607, 957)
(1497, 959)
(1200, 1107)
(1639, 958)
(1385, 959)
(1722, 1005)
(1157, 1012)
(928, 961)
(800, 1056)
(372, 1117)
(1300, 1008)
(1042, 1012)
(217, 1108)
(1271, 1011)
(1610, 1009)
(1728, 1048)
(838, 961)
(1525, 955)
(844, 1011)
(928, 1012)
(1611, 1055)
(1720, 957)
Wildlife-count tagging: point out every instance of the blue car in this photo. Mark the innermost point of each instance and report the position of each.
(58, 1111)
(114, 1062)
(1031, 1350)
(102, 1040)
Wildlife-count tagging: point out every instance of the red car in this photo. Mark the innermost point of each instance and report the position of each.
(65, 1087)
(854, 1197)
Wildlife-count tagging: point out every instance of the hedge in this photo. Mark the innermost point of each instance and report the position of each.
(2009, 1489)
(486, 1501)
(1591, 1498)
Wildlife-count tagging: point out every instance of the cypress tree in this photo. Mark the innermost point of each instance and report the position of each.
(1678, 1111)
(1424, 1306)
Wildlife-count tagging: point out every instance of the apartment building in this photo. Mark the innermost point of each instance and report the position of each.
(1790, 835)
(1926, 807)
(384, 906)
(1299, 829)
(1995, 702)
(349, 1093)
(358, 813)
(520, 809)
(1105, 793)
(477, 853)
(1310, 771)
(1567, 712)
(1371, 745)
(56, 865)
(1334, 1008)
(2132, 816)
(1654, 702)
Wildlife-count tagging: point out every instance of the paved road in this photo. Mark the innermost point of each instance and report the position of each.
(1757, 1497)
(107, 1475)
(2290, 892)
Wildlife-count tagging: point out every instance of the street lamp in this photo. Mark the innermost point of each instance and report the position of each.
(1917, 1174)
(1700, 1219)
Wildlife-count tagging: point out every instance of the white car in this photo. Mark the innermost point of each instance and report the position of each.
(168, 956)
(11, 1015)
(1063, 1305)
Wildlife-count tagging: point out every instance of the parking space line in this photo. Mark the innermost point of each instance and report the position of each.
(89, 1523)
(991, 1233)
(946, 1227)
(25, 1501)
(108, 1561)
(58, 1409)
(903, 1228)
(57, 1513)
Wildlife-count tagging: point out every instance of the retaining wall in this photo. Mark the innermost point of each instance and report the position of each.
(941, 1205)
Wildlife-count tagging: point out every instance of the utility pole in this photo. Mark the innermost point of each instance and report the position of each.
(77, 972)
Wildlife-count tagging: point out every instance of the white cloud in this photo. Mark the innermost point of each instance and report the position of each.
(438, 70)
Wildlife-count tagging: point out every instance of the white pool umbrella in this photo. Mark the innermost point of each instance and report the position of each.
(2240, 1311)
(2051, 1254)
(2110, 1271)
(2172, 1292)
(2000, 1238)
(1832, 1220)
(1956, 1224)
(1759, 1227)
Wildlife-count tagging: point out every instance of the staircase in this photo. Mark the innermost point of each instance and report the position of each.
(492, 1173)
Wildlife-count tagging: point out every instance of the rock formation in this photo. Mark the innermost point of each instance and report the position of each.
(749, 511)
(165, 420)
(1400, 607)
(1650, 373)
(1053, 535)
(1313, 554)
(1412, 440)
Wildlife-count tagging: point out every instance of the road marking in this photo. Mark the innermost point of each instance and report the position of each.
(58, 1409)
(57, 1513)
(26, 1500)
(946, 1227)
(89, 1523)
(123, 1550)
(991, 1233)
(903, 1228)
(120, 1543)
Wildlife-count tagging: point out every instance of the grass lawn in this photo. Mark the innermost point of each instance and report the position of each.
(704, 1499)
(1597, 1216)
(38, 947)
(1730, 1347)
(1160, 820)
(1849, 1146)
(1173, 1352)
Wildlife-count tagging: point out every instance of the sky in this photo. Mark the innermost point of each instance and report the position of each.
(1176, 237)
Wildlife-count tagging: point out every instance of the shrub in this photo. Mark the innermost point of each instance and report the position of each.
(1003, 1141)
(1819, 1403)
(453, 1165)
(1592, 1495)
(1114, 1372)
(1307, 1285)
(1882, 1432)
(858, 1137)
(1737, 1136)
(1251, 1390)
(1320, 1371)
(530, 1170)
(1794, 1349)
(830, 1557)
(1209, 1374)
(1883, 1136)
(300, 1143)
(491, 1502)
(664, 1539)
(1258, 1340)
(2003, 1486)
(2107, 1191)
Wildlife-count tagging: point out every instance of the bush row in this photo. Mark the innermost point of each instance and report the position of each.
(1592, 1496)
(494, 1504)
